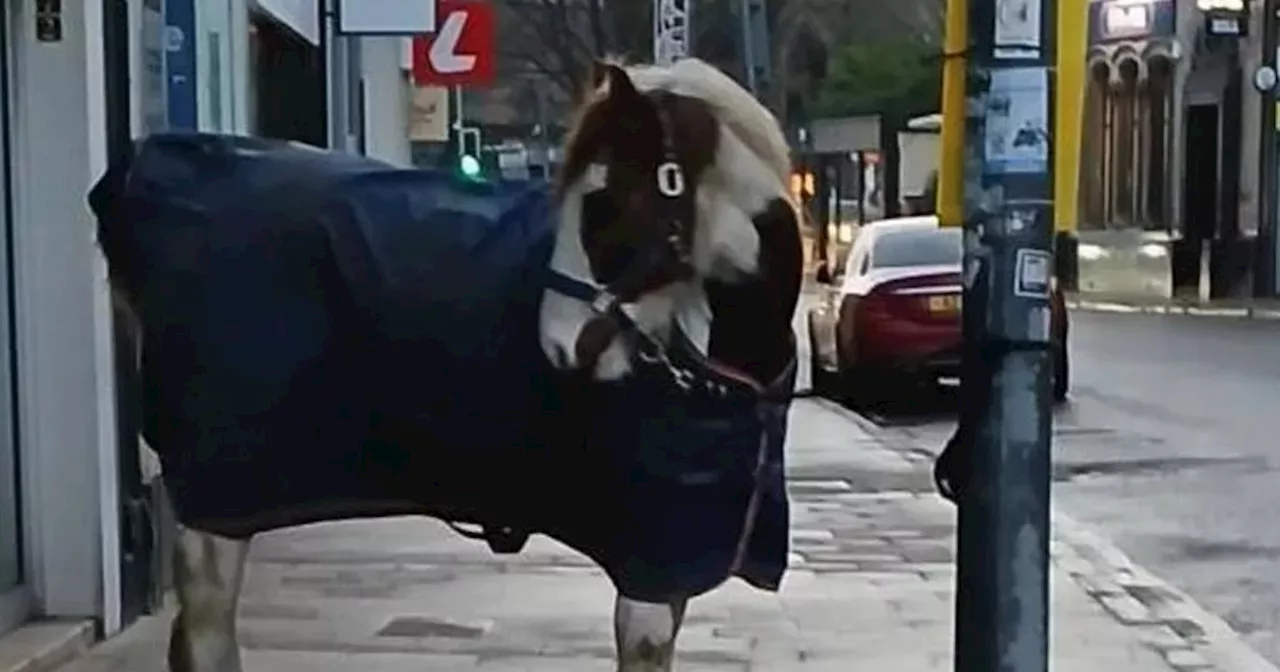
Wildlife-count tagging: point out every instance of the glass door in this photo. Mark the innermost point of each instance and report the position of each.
(10, 550)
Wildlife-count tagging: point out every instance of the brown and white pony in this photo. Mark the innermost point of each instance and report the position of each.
(674, 203)
(675, 210)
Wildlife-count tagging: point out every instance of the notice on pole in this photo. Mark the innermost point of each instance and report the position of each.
(429, 114)
(1017, 120)
(1033, 274)
(1017, 30)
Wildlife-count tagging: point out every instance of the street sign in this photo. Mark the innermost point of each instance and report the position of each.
(429, 114)
(460, 52)
(386, 17)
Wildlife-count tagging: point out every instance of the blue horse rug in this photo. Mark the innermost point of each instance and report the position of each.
(327, 337)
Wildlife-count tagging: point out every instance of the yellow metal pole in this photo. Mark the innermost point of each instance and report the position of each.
(950, 205)
(1072, 44)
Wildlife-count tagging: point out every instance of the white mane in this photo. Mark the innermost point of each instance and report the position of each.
(736, 109)
(751, 167)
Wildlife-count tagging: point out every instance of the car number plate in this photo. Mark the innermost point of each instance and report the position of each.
(949, 303)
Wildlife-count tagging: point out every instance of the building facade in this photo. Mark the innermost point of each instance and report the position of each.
(307, 84)
(82, 535)
(1169, 202)
(59, 512)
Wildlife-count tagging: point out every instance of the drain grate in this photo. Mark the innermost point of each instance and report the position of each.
(420, 626)
(1152, 466)
(803, 486)
(1086, 432)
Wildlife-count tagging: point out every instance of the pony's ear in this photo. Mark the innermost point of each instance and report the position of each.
(612, 81)
(599, 75)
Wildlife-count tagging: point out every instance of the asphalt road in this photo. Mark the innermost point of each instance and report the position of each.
(1170, 445)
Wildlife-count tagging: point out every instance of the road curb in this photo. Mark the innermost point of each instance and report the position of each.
(1172, 623)
(866, 425)
(1247, 313)
(44, 646)
(1167, 620)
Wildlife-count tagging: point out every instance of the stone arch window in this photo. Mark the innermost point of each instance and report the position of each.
(1125, 143)
(1094, 169)
(1125, 172)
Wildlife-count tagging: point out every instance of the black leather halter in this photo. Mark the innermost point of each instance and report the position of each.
(606, 301)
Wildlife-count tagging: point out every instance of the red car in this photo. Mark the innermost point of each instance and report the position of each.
(891, 320)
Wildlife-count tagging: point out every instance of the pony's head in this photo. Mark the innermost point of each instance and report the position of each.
(663, 170)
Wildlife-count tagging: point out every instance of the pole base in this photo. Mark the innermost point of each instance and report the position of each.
(1066, 260)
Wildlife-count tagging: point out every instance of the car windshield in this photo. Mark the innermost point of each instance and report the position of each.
(917, 247)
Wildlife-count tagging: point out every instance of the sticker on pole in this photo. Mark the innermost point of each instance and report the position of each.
(1033, 275)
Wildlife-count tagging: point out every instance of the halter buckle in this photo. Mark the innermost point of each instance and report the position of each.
(670, 179)
(604, 302)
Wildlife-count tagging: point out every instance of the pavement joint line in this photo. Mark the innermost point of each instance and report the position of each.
(1245, 313)
(1219, 643)
(45, 646)
(1080, 555)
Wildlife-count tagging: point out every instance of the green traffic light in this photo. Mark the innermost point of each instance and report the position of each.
(469, 165)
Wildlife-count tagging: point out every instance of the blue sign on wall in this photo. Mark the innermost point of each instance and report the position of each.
(180, 64)
(1114, 20)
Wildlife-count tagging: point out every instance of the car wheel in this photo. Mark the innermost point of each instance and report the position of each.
(1061, 373)
(858, 388)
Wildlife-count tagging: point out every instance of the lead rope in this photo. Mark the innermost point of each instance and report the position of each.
(757, 493)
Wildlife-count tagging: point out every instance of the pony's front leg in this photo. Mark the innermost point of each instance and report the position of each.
(207, 571)
(645, 634)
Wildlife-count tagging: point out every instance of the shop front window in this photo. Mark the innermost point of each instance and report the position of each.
(1094, 154)
(1158, 99)
(288, 98)
(154, 99)
(10, 551)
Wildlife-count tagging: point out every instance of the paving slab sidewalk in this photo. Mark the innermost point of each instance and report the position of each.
(870, 588)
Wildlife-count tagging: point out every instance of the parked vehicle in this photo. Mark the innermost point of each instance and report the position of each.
(889, 320)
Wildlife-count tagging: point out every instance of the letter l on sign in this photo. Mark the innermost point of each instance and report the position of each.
(460, 53)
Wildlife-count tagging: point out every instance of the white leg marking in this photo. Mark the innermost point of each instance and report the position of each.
(208, 571)
(645, 634)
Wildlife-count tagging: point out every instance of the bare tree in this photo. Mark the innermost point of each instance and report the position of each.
(558, 39)
(911, 20)
(544, 37)
(545, 48)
